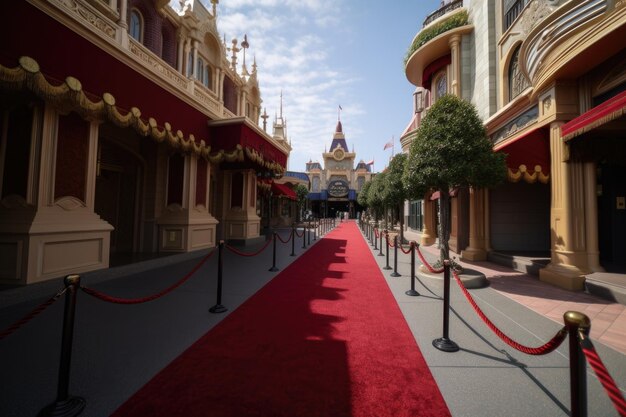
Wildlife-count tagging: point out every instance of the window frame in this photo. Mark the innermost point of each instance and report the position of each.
(141, 22)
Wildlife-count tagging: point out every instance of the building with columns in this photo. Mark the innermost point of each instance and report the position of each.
(549, 80)
(336, 184)
(130, 127)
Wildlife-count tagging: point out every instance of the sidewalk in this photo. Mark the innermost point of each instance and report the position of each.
(118, 348)
(608, 319)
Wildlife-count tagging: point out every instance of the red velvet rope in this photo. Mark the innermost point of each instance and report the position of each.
(376, 232)
(24, 320)
(238, 252)
(288, 239)
(105, 297)
(298, 234)
(605, 378)
(548, 347)
(389, 243)
(406, 252)
(426, 264)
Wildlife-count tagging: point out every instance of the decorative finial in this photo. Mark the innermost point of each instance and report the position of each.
(281, 104)
(244, 45)
(233, 58)
(215, 3)
(264, 116)
(254, 65)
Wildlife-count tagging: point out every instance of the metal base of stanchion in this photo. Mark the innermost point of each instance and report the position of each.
(395, 274)
(445, 344)
(273, 269)
(381, 254)
(387, 268)
(71, 407)
(412, 293)
(218, 308)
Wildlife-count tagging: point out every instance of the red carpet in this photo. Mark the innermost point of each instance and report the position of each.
(323, 338)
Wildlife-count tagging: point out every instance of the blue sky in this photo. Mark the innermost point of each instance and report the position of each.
(322, 54)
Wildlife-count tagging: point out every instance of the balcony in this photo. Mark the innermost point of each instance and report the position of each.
(447, 8)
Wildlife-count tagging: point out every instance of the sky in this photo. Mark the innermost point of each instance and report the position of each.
(324, 54)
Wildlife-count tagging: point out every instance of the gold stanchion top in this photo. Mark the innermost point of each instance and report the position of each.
(73, 279)
(577, 319)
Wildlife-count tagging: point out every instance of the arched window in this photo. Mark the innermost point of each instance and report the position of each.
(440, 86)
(200, 70)
(136, 25)
(206, 79)
(517, 80)
(316, 184)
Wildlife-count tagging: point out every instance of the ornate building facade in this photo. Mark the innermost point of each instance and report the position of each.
(549, 80)
(131, 127)
(334, 187)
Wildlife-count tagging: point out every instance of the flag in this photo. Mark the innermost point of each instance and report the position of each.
(388, 144)
(371, 162)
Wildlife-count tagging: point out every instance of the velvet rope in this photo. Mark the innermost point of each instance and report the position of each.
(110, 299)
(376, 232)
(389, 243)
(406, 252)
(548, 347)
(614, 393)
(298, 234)
(426, 264)
(27, 318)
(238, 252)
(285, 241)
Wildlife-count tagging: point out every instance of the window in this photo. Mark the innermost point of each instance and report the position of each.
(206, 78)
(517, 80)
(441, 85)
(200, 70)
(136, 25)
(190, 65)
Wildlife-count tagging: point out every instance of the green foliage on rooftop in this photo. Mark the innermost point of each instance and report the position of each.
(455, 21)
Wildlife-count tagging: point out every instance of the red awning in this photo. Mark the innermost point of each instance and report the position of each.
(435, 196)
(611, 109)
(528, 156)
(283, 190)
(227, 134)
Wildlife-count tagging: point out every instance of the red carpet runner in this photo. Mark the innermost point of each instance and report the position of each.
(323, 338)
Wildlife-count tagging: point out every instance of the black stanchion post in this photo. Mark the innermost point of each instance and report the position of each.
(218, 307)
(66, 405)
(380, 249)
(444, 343)
(293, 240)
(308, 234)
(315, 226)
(412, 292)
(387, 267)
(303, 236)
(375, 240)
(577, 322)
(395, 257)
(273, 268)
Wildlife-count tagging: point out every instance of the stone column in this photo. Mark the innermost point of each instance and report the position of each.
(194, 67)
(181, 53)
(565, 222)
(429, 233)
(241, 223)
(455, 65)
(476, 249)
(123, 12)
(591, 218)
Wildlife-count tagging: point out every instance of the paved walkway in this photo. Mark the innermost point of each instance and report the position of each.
(118, 348)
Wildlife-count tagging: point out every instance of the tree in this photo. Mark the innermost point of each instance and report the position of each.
(375, 194)
(451, 150)
(395, 193)
(302, 193)
(361, 197)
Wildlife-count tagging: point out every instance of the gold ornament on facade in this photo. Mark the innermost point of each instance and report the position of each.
(522, 173)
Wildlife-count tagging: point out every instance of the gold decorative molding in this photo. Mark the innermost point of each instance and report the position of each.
(70, 96)
(523, 173)
(86, 14)
(256, 157)
(145, 56)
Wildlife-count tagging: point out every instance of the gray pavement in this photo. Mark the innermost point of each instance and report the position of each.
(118, 348)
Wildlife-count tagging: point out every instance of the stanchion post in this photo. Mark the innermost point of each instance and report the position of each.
(315, 226)
(412, 292)
(303, 236)
(218, 307)
(444, 343)
(380, 249)
(387, 267)
(576, 322)
(395, 257)
(375, 240)
(308, 234)
(273, 268)
(66, 405)
(293, 240)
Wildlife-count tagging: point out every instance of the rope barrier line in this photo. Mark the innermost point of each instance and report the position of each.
(614, 393)
(391, 245)
(426, 264)
(288, 239)
(548, 347)
(406, 252)
(376, 232)
(298, 234)
(238, 252)
(116, 300)
(34, 313)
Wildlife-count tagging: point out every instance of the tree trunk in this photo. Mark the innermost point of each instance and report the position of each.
(401, 211)
(444, 207)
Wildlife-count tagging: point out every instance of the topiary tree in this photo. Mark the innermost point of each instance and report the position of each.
(302, 193)
(451, 150)
(395, 193)
(361, 197)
